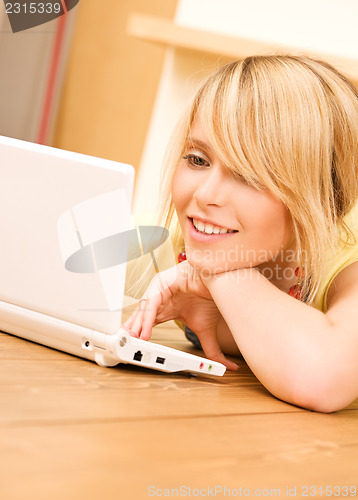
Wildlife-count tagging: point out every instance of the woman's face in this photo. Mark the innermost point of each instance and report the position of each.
(226, 223)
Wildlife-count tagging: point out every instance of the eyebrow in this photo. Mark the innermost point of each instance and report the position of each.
(203, 144)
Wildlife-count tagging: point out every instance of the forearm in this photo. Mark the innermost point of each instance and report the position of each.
(291, 347)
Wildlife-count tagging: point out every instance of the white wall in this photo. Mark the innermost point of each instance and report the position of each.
(323, 25)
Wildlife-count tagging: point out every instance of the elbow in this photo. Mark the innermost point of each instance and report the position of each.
(319, 404)
(322, 396)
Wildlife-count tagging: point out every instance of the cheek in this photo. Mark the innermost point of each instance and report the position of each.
(180, 189)
(272, 223)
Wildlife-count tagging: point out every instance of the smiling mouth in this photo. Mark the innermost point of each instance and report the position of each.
(207, 228)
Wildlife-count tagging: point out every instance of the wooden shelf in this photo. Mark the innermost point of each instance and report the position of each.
(166, 32)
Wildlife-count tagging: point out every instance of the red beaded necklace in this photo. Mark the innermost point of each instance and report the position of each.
(295, 290)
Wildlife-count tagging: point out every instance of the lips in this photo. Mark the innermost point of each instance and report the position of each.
(207, 237)
(208, 227)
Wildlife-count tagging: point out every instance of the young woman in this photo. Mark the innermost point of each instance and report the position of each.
(262, 190)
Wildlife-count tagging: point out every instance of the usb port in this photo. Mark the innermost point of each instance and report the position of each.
(160, 360)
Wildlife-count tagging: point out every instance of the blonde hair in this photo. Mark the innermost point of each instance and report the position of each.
(287, 124)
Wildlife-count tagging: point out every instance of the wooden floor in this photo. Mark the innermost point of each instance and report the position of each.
(73, 430)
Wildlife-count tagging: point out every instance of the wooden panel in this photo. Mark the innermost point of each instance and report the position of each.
(111, 82)
(41, 384)
(166, 32)
(120, 460)
(71, 429)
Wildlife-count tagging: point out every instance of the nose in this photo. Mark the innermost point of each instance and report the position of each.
(211, 188)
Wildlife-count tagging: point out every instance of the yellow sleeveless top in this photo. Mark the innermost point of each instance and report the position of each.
(345, 255)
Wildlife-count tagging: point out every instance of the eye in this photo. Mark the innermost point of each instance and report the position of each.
(196, 160)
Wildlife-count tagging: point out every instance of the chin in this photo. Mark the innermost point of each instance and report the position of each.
(211, 267)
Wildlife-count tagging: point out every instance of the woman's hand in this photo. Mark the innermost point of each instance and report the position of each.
(180, 293)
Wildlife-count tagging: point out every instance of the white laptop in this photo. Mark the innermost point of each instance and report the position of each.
(66, 235)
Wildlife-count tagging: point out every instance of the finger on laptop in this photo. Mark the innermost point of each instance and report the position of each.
(150, 313)
(212, 350)
(133, 323)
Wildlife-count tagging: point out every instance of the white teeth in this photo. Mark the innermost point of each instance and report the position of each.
(210, 228)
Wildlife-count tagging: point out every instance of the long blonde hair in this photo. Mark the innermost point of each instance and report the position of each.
(287, 124)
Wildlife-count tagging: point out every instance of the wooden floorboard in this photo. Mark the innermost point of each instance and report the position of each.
(252, 451)
(72, 430)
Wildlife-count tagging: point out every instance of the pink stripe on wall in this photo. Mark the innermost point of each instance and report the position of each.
(53, 74)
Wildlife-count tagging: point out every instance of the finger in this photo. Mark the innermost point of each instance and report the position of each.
(128, 327)
(213, 351)
(129, 321)
(128, 330)
(150, 315)
(137, 322)
(230, 365)
(220, 358)
(133, 323)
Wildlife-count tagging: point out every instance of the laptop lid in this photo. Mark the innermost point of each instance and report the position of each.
(53, 204)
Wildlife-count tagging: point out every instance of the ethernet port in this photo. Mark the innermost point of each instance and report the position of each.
(138, 356)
